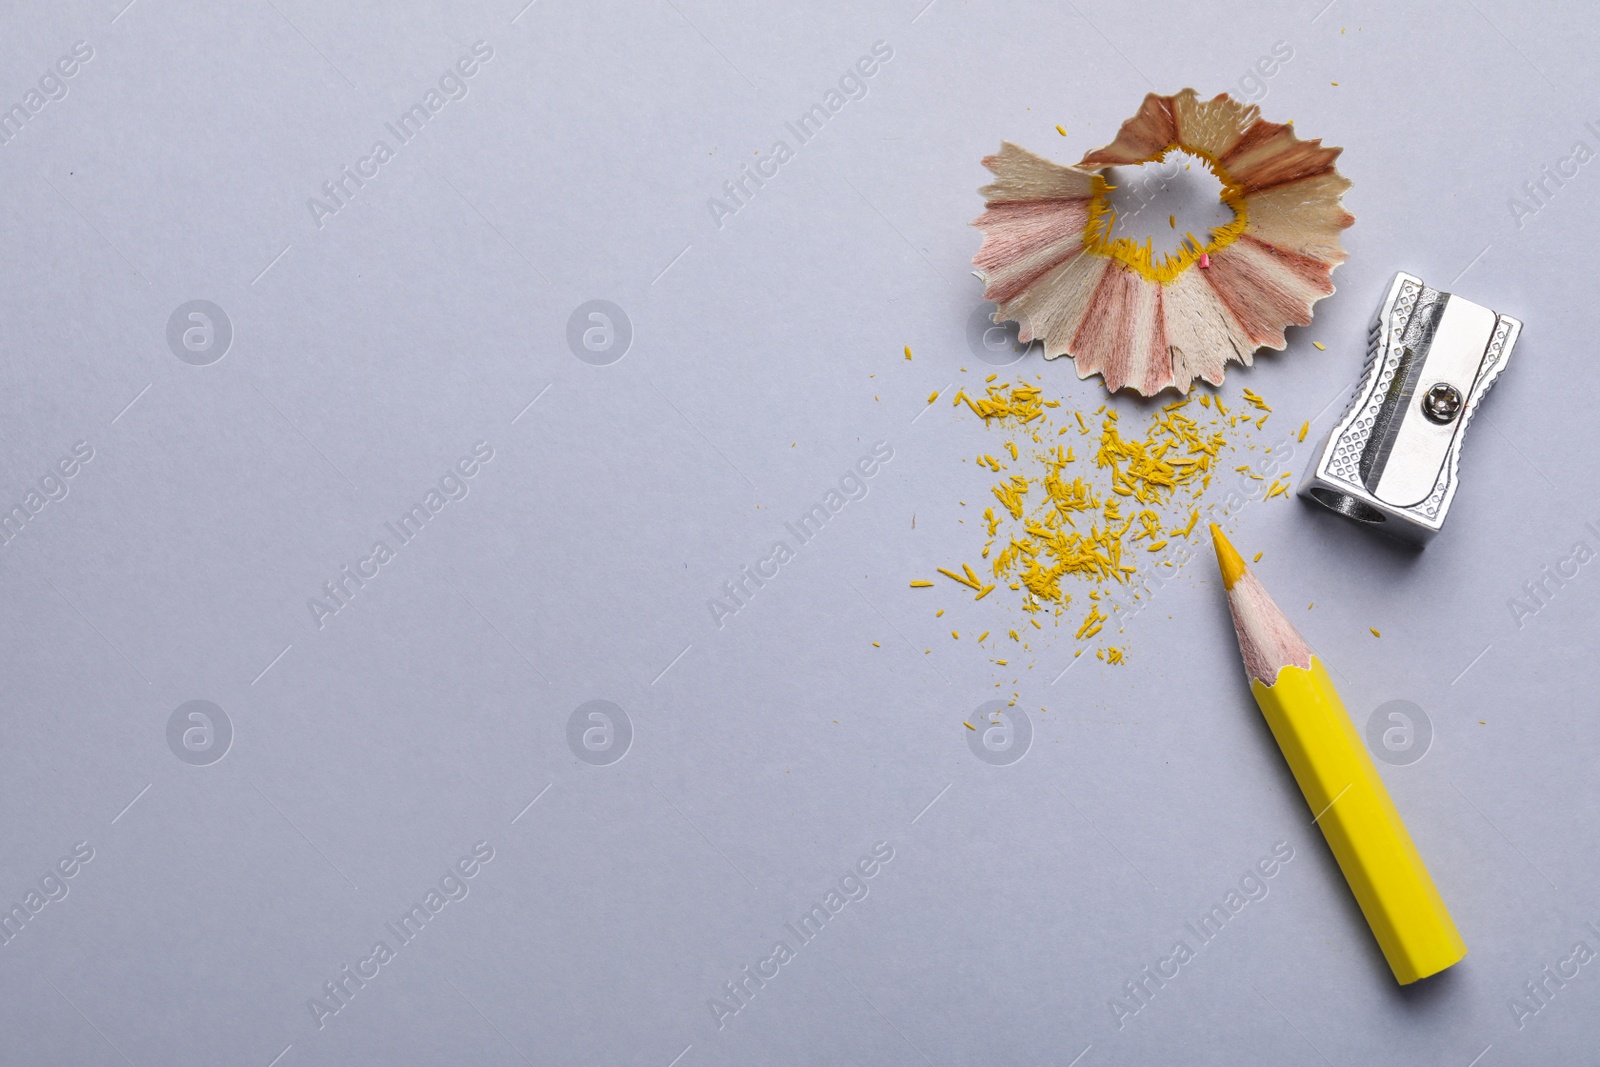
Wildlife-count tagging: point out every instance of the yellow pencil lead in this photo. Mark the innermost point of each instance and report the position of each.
(1228, 559)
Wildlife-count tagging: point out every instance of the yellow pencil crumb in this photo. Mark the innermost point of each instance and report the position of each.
(918, 583)
(1062, 131)
(969, 726)
(1375, 632)
(1304, 426)
(1257, 559)
(876, 645)
(1048, 526)
(938, 613)
(955, 635)
(933, 396)
(983, 635)
(1092, 623)
(971, 583)
(1319, 346)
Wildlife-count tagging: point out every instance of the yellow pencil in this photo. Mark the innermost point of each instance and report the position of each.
(1339, 781)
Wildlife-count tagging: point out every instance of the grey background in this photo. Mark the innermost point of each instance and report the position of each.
(766, 756)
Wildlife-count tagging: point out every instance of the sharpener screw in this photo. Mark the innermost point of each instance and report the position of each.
(1441, 403)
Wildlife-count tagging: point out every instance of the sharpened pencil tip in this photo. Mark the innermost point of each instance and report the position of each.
(1228, 561)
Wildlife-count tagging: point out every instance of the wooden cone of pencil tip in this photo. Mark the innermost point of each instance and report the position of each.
(1267, 640)
(1048, 260)
(1340, 783)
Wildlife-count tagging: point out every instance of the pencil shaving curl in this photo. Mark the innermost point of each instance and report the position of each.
(1049, 263)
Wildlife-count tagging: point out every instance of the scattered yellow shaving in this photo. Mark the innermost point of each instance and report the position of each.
(1061, 523)
(1092, 623)
(955, 577)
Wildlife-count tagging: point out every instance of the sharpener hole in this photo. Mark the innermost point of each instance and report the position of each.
(1347, 506)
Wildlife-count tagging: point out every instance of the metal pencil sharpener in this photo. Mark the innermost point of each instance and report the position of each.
(1392, 461)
